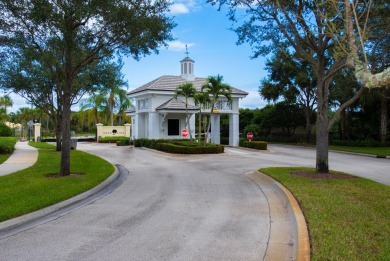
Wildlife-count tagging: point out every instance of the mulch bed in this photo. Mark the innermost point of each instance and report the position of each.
(56, 175)
(314, 175)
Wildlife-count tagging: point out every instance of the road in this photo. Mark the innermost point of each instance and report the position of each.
(199, 207)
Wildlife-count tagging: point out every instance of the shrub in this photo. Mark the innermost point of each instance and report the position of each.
(123, 142)
(149, 143)
(183, 149)
(7, 145)
(258, 145)
(5, 131)
(179, 146)
(113, 139)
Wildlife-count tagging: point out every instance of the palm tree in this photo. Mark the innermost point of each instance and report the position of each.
(94, 103)
(188, 91)
(123, 103)
(215, 89)
(5, 102)
(201, 99)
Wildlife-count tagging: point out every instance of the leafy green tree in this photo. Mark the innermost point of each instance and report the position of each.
(187, 90)
(67, 36)
(201, 99)
(5, 131)
(366, 22)
(294, 81)
(6, 102)
(94, 103)
(304, 26)
(215, 88)
(123, 103)
(344, 85)
(246, 118)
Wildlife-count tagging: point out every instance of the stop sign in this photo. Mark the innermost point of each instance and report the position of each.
(184, 133)
(249, 135)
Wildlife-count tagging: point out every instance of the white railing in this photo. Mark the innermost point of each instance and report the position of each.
(219, 106)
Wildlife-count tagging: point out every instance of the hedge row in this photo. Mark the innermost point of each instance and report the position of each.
(258, 145)
(179, 146)
(116, 139)
(5, 131)
(201, 149)
(7, 145)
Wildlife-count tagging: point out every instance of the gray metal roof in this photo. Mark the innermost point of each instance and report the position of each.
(170, 83)
(176, 105)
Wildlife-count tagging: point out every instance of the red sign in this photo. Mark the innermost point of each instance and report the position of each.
(184, 133)
(249, 135)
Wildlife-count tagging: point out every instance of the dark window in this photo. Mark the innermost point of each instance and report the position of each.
(173, 127)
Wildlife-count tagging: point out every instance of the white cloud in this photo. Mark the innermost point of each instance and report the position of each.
(253, 100)
(179, 8)
(183, 6)
(178, 46)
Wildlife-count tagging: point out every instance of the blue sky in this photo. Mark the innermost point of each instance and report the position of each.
(210, 44)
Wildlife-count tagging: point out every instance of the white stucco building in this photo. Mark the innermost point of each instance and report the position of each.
(157, 115)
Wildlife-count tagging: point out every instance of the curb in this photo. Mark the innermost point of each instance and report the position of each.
(289, 237)
(33, 219)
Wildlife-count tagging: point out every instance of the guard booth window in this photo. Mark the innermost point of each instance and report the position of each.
(173, 127)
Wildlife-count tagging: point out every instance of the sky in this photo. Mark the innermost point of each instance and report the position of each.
(211, 44)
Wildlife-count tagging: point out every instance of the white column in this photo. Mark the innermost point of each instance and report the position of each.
(99, 130)
(215, 129)
(139, 126)
(154, 125)
(37, 131)
(192, 125)
(234, 123)
(127, 130)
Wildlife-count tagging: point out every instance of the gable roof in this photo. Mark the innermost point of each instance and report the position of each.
(169, 83)
(174, 104)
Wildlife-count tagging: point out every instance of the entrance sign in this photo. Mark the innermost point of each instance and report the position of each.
(184, 133)
(249, 136)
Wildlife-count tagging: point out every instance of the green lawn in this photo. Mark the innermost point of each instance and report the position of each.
(29, 190)
(4, 157)
(348, 219)
(364, 150)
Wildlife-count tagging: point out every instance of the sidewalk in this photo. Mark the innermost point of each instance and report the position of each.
(23, 157)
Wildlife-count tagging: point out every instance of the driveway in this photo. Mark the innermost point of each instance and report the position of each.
(169, 208)
(200, 207)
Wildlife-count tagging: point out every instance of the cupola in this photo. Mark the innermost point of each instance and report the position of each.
(187, 68)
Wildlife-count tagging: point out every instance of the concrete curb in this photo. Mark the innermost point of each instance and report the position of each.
(289, 237)
(30, 220)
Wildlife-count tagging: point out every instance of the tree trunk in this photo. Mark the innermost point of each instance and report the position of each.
(322, 133)
(188, 120)
(384, 121)
(58, 139)
(58, 124)
(308, 125)
(342, 125)
(65, 150)
(69, 41)
(199, 125)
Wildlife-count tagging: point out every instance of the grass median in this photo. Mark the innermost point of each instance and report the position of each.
(365, 150)
(348, 219)
(32, 189)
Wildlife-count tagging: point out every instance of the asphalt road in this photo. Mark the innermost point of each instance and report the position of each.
(200, 207)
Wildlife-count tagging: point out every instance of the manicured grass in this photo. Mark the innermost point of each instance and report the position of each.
(29, 190)
(348, 219)
(364, 150)
(4, 157)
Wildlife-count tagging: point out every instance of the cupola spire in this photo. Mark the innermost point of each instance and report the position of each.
(187, 67)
